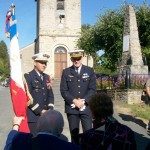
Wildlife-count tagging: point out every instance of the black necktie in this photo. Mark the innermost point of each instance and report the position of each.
(77, 70)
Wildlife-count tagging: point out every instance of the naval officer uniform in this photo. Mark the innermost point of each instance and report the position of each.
(78, 85)
(39, 91)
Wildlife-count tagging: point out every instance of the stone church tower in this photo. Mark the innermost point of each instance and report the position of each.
(58, 29)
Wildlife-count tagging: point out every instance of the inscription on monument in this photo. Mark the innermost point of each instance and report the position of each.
(126, 43)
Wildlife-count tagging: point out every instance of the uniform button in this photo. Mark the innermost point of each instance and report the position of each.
(79, 80)
(78, 92)
(44, 99)
(43, 93)
(79, 86)
(43, 88)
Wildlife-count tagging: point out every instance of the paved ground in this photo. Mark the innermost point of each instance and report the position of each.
(121, 114)
(138, 125)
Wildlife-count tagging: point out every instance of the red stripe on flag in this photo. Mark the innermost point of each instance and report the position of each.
(19, 101)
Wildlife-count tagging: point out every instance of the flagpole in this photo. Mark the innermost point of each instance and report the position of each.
(12, 9)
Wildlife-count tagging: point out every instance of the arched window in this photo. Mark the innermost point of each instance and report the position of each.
(60, 49)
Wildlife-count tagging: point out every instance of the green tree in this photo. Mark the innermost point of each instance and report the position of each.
(3, 50)
(4, 59)
(143, 21)
(86, 42)
(107, 35)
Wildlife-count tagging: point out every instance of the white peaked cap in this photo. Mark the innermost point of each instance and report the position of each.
(40, 57)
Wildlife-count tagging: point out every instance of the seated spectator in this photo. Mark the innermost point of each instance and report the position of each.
(107, 133)
(148, 102)
(49, 128)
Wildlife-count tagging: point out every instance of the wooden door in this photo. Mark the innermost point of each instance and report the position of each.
(60, 62)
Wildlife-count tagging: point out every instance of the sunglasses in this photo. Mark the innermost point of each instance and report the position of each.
(42, 62)
(76, 59)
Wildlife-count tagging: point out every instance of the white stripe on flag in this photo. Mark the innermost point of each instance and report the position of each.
(15, 62)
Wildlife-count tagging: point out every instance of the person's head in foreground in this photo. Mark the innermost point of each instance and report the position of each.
(107, 132)
(101, 107)
(52, 122)
(49, 127)
(40, 61)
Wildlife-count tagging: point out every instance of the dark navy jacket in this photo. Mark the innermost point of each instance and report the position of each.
(110, 135)
(77, 86)
(40, 95)
(24, 141)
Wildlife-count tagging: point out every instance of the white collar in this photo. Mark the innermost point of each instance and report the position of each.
(79, 68)
(37, 72)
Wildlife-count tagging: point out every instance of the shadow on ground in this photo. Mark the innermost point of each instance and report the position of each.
(143, 143)
(131, 118)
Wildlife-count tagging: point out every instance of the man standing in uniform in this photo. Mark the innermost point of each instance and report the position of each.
(39, 91)
(78, 84)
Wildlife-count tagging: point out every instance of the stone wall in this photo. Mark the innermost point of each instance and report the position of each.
(130, 96)
(26, 54)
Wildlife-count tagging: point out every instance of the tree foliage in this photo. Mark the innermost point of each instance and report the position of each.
(4, 59)
(107, 35)
(143, 20)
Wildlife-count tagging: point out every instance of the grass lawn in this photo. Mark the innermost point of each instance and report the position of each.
(140, 110)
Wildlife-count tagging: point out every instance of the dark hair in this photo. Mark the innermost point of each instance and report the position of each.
(101, 105)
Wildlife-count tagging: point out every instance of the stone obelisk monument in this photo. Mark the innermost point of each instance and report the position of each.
(131, 55)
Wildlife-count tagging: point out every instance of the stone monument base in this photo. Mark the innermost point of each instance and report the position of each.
(130, 96)
(133, 69)
(136, 69)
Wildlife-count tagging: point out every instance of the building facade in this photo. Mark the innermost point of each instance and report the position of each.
(58, 29)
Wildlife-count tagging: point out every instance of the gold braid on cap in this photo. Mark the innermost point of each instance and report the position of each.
(76, 54)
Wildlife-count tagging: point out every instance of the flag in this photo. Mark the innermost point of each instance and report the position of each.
(17, 90)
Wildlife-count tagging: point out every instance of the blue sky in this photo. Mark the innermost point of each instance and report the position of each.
(26, 15)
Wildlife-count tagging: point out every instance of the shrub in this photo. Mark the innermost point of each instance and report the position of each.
(137, 81)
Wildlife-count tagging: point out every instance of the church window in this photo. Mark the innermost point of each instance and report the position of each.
(60, 4)
(60, 49)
